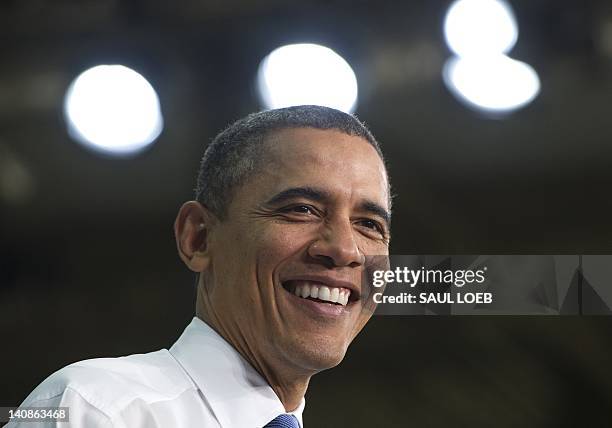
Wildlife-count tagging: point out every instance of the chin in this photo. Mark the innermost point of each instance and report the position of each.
(318, 355)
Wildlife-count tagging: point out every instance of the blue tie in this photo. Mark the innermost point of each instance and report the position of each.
(283, 421)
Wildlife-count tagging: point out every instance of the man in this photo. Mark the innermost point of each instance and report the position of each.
(289, 204)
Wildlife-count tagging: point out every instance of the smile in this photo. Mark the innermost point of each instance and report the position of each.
(318, 292)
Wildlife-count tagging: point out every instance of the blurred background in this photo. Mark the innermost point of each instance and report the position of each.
(495, 120)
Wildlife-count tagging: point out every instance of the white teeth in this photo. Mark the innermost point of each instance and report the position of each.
(306, 289)
(334, 295)
(314, 291)
(324, 293)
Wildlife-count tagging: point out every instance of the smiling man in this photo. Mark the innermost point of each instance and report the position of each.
(289, 204)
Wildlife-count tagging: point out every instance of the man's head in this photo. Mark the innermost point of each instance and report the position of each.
(290, 201)
(238, 152)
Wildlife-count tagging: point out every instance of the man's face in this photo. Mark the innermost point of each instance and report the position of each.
(305, 221)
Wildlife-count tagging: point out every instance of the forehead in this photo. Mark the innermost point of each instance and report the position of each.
(346, 165)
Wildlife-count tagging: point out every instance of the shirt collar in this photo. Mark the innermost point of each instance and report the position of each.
(237, 394)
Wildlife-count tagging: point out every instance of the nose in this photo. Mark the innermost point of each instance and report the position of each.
(337, 246)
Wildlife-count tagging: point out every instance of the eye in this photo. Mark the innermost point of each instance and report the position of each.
(303, 209)
(299, 209)
(372, 225)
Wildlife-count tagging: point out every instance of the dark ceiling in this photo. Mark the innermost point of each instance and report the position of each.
(464, 182)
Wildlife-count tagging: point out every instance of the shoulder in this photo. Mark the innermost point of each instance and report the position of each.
(111, 384)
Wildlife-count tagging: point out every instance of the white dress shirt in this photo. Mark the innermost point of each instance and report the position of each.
(202, 381)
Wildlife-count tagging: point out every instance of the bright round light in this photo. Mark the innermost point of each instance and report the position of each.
(113, 109)
(497, 84)
(306, 74)
(480, 27)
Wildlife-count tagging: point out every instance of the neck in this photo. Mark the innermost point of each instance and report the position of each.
(289, 384)
(290, 393)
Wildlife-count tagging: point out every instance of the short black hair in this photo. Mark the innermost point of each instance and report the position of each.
(238, 151)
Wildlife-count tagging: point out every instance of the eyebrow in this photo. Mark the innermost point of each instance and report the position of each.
(376, 209)
(311, 193)
(320, 195)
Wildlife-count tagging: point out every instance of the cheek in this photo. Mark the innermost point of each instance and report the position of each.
(255, 252)
(373, 248)
(283, 241)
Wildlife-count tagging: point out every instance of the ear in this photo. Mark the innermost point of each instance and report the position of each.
(192, 232)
